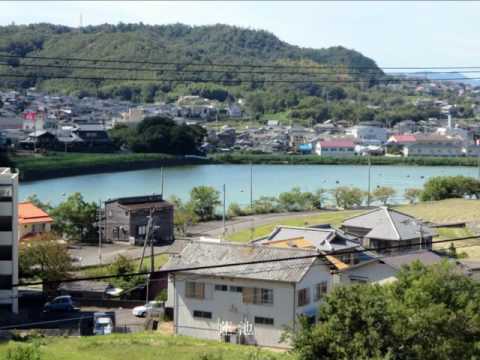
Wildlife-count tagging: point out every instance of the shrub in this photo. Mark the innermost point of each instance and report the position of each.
(24, 352)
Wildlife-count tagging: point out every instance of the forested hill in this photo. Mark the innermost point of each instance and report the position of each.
(164, 43)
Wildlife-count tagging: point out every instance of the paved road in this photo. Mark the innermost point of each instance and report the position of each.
(215, 228)
(89, 253)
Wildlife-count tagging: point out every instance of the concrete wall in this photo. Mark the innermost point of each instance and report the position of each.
(27, 229)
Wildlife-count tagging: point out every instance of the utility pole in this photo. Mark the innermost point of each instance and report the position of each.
(251, 186)
(252, 228)
(99, 212)
(224, 210)
(369, 180)
(162, 174)
(147, 232)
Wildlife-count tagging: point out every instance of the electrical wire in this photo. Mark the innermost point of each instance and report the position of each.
(226, 81)
(253, 262)
(177, 63)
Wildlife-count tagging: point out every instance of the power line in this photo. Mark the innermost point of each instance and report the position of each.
(176, 70)
(237, 65)
(253, 262)
(228, 81)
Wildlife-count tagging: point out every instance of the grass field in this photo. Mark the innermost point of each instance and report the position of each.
(143, 346)
(445, 211)
(327, 217)
(104, 270)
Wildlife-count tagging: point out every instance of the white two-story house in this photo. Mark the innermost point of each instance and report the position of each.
(251, 303)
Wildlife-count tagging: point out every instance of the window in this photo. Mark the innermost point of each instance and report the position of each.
(358, 279)
(257, 296)
(141, 229)
(5, 223)
(263, 320)
(195, 290)
(303, 297)
(236, 289)
(320, 290)
(221, 287)
(6, 193)
(202, 314)
(5, 282)
(5, 253)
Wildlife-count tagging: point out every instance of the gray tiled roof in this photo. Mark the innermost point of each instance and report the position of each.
(388, 224)
(426, 257)
(322, 239)
(200, 253)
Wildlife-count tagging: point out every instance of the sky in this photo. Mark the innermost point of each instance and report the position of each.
(394, 34)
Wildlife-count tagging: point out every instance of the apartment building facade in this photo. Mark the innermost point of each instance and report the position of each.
(8, 239)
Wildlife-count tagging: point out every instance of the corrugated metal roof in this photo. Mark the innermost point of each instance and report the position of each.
(200, 253)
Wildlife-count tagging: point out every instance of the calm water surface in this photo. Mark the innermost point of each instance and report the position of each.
(268, 180)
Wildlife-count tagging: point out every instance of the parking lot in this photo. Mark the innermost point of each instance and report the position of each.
(32, 316)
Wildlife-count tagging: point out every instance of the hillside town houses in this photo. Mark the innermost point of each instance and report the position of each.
(34, 120)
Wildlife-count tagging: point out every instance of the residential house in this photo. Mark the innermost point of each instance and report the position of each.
(40, 139)
(32, 220)
(298, 135)
(368, 135)
(389, 231)
(8, 239)
(396, 143)
(126, 219)
(234, 111)
(335, 147)
(324, 239)
(434, 145)
(384, 269)
(95, 137)
(246, 303)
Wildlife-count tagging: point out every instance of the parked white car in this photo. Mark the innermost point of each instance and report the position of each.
(154, 308)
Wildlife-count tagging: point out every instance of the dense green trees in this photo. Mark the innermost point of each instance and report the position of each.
(204, 201)
(76, 219)
(46, 259)
(159, 134)
(446, 187)
(429, 313)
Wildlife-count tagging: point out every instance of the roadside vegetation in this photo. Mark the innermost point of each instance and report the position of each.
(429, 313)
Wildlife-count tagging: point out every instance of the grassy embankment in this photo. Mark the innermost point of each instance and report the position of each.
(237, 158)
(145, 346)
(441, 212)
(55, 165)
